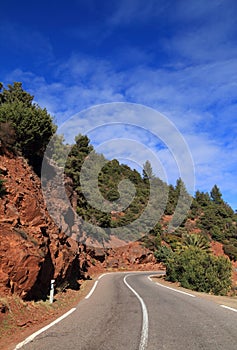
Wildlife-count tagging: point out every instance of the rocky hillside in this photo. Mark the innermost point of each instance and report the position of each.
(33, 250)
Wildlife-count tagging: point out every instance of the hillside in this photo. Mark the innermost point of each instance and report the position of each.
(34, 249)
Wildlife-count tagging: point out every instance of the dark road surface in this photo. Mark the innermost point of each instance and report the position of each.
(129, 311)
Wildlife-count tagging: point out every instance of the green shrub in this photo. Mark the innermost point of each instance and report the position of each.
(198, 270)
(198, 241)
(163, 254)
(231, 251)
(172, 239)
(217, 234)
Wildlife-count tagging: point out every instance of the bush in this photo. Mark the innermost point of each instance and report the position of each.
(217, 234)
(231, 251)
(163, 254)
(198, 270)
(172, 239)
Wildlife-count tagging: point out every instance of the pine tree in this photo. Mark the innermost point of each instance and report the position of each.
(33, 126)
(216, 195)
(147, 171)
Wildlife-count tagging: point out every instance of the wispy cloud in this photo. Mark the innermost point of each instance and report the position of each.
(185, 96)
(188, 73)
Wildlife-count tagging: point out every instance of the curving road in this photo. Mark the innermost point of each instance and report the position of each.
(129, 311)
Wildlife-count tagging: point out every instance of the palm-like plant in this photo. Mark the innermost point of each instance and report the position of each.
(193, 240)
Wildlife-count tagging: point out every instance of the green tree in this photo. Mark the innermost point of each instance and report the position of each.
(58, 150)
(79, 151)
(172, 201)
(203, 199)
(33, 125)
(214, 216)
(15, 93)
(216, 195)
(182, 201)
(147, 171)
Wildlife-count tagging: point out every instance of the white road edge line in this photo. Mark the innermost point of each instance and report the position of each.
(32, 336)
(176, 290)
(144, 333)
(173, 289)
(91, 291)
(229, 308)
(149, 277)
(103, 274)
(93, 288)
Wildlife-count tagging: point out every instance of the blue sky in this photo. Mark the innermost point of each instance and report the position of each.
(177, 57)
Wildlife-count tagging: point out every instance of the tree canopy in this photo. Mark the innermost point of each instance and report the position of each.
(32, 126)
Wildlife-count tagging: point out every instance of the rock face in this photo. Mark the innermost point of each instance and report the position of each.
(132, 256)
(32, 250)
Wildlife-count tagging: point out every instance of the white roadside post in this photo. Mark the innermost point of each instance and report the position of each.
(51, 292)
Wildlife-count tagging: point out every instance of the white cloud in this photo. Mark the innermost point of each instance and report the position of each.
(197, 91)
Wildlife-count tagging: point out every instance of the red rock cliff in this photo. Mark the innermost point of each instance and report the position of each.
(32, 250)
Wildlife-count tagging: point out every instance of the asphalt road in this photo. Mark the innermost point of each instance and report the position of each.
(129, 311)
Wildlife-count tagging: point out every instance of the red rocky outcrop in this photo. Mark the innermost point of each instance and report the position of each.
(32, 250)
(132, 256)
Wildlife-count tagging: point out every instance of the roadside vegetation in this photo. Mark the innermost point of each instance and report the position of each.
(201, 271)
(25, 130)
(193, 265)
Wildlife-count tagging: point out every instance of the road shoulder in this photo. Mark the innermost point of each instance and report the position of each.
(218, 299)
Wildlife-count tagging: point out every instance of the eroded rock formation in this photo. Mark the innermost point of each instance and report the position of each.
(32, 248)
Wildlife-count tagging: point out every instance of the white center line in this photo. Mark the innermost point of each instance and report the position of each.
(144, 333)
